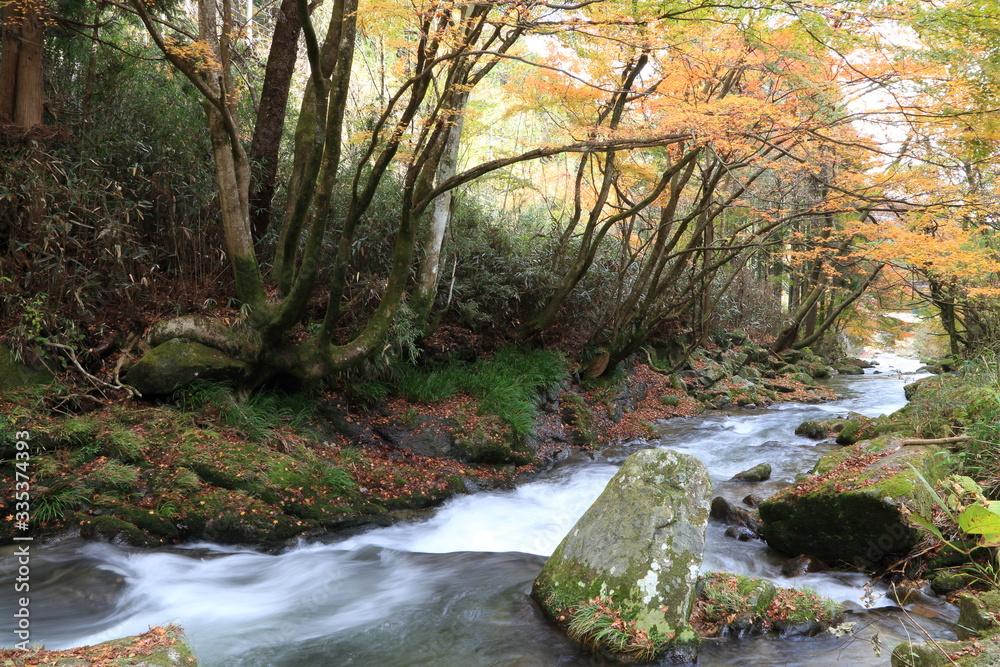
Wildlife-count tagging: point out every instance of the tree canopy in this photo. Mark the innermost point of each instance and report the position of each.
(379, 167)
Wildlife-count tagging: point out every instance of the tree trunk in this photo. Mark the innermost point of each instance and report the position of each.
(271, 114)
(822, 328)
(422, 301)
(21, 83)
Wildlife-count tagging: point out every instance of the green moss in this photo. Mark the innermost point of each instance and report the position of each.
(114, 529)
(581, 421)
(939, 654)
(861, 487)
(112, 476)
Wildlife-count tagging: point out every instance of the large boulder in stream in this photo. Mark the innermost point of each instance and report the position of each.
(854, 505)
(622, 582)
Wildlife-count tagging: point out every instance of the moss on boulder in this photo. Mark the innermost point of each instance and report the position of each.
(633, 558)
(15, 374)
(177, 363)
(853, 507)
(759, 473)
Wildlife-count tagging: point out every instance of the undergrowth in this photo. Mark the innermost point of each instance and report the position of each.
(256, 414)
(505, 385)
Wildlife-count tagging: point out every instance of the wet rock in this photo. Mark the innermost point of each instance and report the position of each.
(752, 500)
(634, 553)
(741, 533)
(725, 512)
(905, 594)
(800, 565)
(812, 429)
(849, 369)
(759, 473)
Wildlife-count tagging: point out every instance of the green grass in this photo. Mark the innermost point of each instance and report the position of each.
(256, 414)
(56, 502)
(598, 625)
(506, 385)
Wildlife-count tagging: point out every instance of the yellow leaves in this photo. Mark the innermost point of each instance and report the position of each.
(200, 54)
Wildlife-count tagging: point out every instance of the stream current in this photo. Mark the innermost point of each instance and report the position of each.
(452, 590)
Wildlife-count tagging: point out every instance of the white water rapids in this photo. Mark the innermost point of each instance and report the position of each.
(452, 590)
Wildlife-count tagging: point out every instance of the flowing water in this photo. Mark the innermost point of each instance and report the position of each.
(452, 590)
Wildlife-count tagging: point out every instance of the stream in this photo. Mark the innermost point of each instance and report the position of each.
(452, 590)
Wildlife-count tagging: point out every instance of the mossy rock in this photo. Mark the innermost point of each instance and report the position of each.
(944, 582)
(854, 506)
(14, 374)
(922, 385)
(855, 430)
(577, 415)
(812, 429)
(759, 473)
(736, 605)
(817, 370)
(113, 529)
(634, 555)
(804, 378)
(947, 654)
(850, 369)
(978, 615)
(177, 363)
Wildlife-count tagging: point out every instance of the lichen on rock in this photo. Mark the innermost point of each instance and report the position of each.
(631, 562)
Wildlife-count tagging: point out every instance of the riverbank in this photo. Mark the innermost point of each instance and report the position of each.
(265, 468)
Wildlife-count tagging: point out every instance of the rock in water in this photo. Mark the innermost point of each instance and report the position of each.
(759, 473)
(622, 583)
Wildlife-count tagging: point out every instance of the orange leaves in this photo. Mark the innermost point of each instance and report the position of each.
(200, 54)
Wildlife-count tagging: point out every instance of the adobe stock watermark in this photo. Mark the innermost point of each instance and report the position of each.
(22, 525)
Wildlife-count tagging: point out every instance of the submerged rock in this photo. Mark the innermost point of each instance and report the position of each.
(853, 507)
(622, 582)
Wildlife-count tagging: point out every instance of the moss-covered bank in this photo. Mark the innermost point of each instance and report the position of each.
(159, 647)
